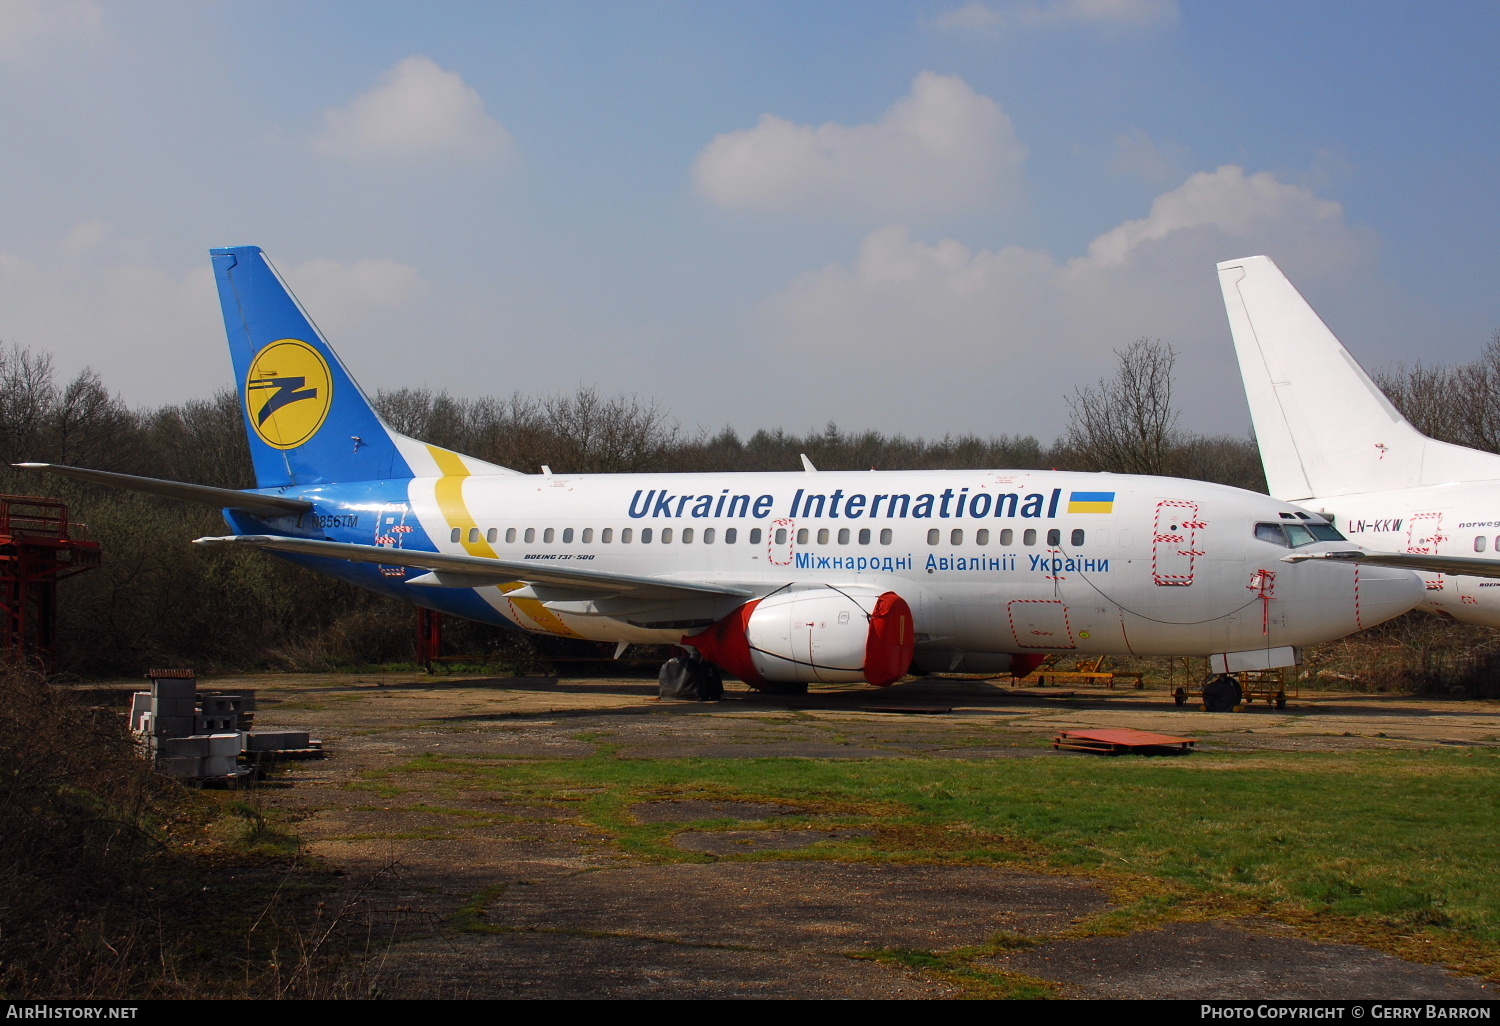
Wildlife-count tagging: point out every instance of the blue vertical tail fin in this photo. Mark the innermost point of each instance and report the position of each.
(308, 422)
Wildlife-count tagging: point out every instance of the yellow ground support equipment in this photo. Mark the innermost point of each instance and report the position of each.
(1085, 671)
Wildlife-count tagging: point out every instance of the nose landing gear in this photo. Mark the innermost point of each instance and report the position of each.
(1246, 687)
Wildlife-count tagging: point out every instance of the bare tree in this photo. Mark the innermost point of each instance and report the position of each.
(1126, 423)
(1459, 404)
(1425, 396)
(201, 440)
(91, 428)
(582, 433)
(27, 398)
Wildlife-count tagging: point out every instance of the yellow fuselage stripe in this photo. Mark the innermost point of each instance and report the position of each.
(450, 499)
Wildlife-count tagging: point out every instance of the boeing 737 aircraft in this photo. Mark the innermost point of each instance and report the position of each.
(780, 579)
(1331, 440)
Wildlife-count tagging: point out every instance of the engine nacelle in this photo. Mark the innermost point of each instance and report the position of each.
(814, 635)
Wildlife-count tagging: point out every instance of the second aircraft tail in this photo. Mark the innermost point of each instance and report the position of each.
(1323, 426)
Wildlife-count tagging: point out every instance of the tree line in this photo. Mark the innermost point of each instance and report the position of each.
(158, 600)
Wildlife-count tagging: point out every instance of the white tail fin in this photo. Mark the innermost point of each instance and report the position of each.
(1323, 427)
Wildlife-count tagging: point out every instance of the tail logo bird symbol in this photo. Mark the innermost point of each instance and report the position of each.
(288, 393)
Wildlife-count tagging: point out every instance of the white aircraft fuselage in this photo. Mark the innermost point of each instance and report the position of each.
(1456, 519)
(992, 564)
(781, 578)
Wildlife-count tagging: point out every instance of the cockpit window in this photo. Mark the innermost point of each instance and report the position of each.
(1271, 533)
(1295, 534)
(1299, 534)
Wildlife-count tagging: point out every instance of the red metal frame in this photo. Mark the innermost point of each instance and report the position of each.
(39, 546)
(429, 636)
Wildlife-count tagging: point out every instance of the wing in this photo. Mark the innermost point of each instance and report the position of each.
(1470, 566)
(448, 570)
(224, 498)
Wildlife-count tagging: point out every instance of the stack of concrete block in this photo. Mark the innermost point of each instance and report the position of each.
(276, 740)
(207, 755)
(174, 706)
(140, 712)
(225, 710)
(199, 736)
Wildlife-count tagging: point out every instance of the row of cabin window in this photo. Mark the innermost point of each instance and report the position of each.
(731, 536)
(687, 536)
(1007, 537)
(607, 535)
(1480, 541)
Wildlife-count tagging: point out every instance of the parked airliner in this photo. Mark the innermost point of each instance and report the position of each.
(780, 579)
(1331, 440)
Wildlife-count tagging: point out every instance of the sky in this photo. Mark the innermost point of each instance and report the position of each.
(931, 218)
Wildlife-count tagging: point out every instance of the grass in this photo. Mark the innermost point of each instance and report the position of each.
(957, 968)
(1391, 848)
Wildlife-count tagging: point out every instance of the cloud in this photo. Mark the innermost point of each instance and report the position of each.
(339, 296)
(997, 337)
(1155, 163)
(941, 149)
(418, 110)
(26, 23)
(84, 237)
(982, 18)
(154, 332)
(1232, 203)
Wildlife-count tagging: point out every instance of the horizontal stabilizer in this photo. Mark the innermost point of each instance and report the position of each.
(465, 571)
(1469, 566)
(224, 498)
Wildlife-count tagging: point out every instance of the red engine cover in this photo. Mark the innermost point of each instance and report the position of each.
(727, 645)
(892, 642)
(889, 645)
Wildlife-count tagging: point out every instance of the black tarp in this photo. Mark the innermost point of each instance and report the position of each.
(690, 678)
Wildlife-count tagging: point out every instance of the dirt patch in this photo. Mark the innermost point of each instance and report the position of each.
(1221, 961)
(987, 752)
(691, 810)
(497, 893)
(738, 842)
(805, 906)
(562, 965)
(785, 750)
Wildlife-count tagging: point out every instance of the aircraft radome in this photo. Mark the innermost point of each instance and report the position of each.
(1331, 440)
(780, 579)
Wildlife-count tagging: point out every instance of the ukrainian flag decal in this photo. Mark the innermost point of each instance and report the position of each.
(1091, 502)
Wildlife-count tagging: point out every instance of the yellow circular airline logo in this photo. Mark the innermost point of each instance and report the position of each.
(288, 393)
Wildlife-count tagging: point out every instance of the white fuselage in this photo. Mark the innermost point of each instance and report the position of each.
(1459, 519)
(989, 561)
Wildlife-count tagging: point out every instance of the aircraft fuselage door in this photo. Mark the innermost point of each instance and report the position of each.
(1175, 543)
(1041, 623)
(781, 542)
(1425, 536)
(1424, 533)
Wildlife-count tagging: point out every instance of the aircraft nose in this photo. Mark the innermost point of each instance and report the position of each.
(1337, 599)
(1383, 592)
